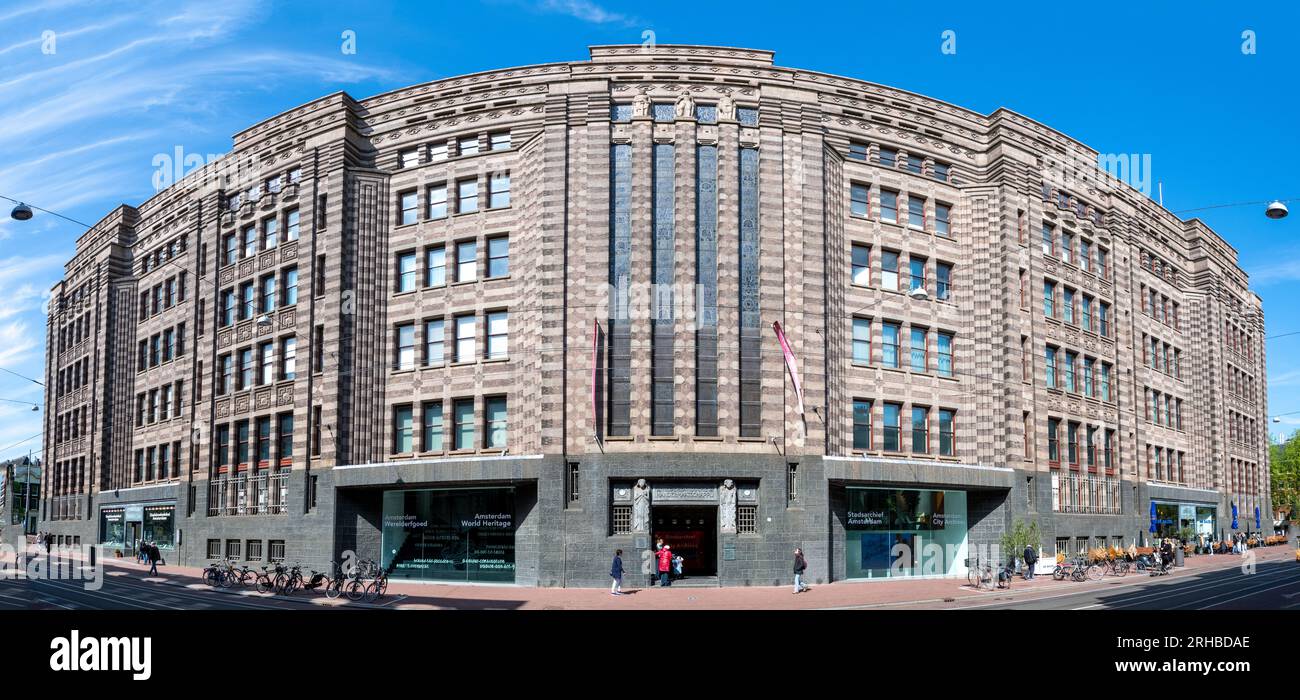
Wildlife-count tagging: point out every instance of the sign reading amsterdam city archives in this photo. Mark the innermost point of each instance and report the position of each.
(450, 534)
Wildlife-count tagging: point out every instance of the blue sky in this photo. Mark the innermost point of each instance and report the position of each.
(126, 82)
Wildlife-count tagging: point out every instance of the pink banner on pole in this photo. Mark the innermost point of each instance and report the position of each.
(790, 364)
(595, 344)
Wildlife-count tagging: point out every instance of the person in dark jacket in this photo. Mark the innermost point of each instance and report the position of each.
(800, 566)
(151, 553)
(1031, 558)
(616, 573)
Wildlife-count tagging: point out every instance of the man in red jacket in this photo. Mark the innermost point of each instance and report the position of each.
(665, 556)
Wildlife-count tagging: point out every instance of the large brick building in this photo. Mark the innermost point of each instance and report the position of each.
(453, 326)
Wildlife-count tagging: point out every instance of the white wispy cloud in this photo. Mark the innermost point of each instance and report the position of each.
(586, 11)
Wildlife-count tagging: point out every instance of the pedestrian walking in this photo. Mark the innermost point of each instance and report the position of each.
(665, 565)
(152, 553)
(1031, 558)
(800, 566)
(616, 573)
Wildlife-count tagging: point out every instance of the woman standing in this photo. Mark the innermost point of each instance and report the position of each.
(800, 566)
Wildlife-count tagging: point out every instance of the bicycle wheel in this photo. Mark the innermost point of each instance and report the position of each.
(280, 581)
(1095, 572)
(372, 592)
(1121, 568)
(383, 586)
(973, 577)
(211, 577)
(1058, 573)
(335, 589)
(227, 579)
(263, 583)
(356, 590)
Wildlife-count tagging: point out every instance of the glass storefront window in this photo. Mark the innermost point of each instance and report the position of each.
(905, 532)
(160, 525)
(450, 534)
(112, 527)
(1173, 518)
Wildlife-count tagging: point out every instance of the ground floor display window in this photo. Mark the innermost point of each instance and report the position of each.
(894, 533)
(160, 525)
(1173, 519)
(450, 534)
(112, 526)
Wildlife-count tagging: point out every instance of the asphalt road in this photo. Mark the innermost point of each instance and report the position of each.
(1274, 585)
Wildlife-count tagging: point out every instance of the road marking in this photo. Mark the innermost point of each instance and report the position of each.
(1253, 592)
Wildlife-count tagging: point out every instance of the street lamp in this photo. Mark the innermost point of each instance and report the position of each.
(919, 293)
(1276, 210)
(21, 212)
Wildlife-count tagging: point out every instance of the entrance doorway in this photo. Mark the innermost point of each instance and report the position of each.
(692, 532)
(132, 536)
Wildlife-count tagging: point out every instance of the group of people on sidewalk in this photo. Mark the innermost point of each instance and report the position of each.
(669, 565)
(148, 553)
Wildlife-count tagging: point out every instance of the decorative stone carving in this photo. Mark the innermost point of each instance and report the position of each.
(641, 506)
(641, 105)
(727, 507)
(685, 107)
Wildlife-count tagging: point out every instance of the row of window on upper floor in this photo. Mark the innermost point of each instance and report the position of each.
(465, 269)
(667, 112)
(159, 404)
(1160, 307)
(464, 425)
(72, 377)
(257, 365)
(495, 339)
(254, 238)
(264, 296)
(1162, 409)
(465, 145)
(1162, 356)
(269, 185)
(466, 202)
(916, 356)
(1065, 371)
(887, 207)
(892, 158)
(1076, 250)
(892, 432)
(74, 332)
(894, 277)
(1072, 307)
(163, 253)
(161, 347)
(1098, 440)
(163, 296)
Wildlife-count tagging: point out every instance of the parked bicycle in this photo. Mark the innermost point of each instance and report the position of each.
(979, 574)
(219, 573)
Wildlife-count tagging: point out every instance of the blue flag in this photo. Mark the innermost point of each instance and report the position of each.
(1153, 516)
(1234, 516)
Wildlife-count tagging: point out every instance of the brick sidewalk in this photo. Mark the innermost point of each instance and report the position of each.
(888, 594)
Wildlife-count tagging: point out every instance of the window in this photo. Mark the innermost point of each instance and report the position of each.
(747, 116)
(291, 225)
(288, 358)
(920, 430)
(499, 141)
(1085, 255)
(250, 241)
(1053, 440)
(245, 368)
(402, 430)
(463, 430)
(227, 375)
(620, 112)
(264, 441)
(916, 212)
(861, 261)
(438, 151)
(1087, 376)
(231, 250)
(268, 293)
(915, 164)
(1070, 359)
(1072, 442)
(498, 256)
(947, 434)
(1067, 247)
(270, 233)
(466, 261)
(438, 201)
(1051, 367)
(431, 438)
(410, 207)
(857, 150)
(249, 301)
(1067, 304)
(290, 286)
(940, 171)
(405, 346)
(465, 331)
(861, 425)
(862, 340)
(942, 281)
(435, 266)
(1103, 323)
(887, 157)
(1049, 299)
(406, 272)
(1105, 381)
(499, 190)
(945, 354)
(942, 219)
(916, 276)
(858, 198)
(466, 196)
(266, 351)
(889, 344)
(495, 421)
(747, 519)
(467, 145)
(888, 206)
(1049, 240)
(498, 342)
(918, 350)
(889, 270)
(893, 427)
(409, 158)
(434, 342)
(1086, 307)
